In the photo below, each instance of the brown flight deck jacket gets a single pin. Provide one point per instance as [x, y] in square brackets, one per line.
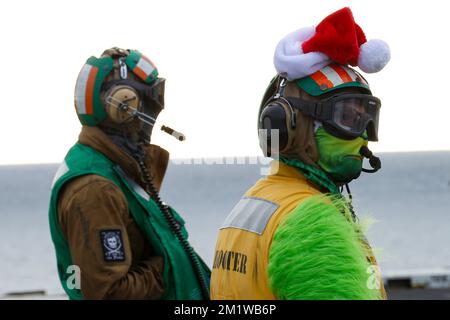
[90, 204]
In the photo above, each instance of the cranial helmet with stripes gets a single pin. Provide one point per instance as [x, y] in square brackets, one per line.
[313, 69]
[295, 129]
[97, 95]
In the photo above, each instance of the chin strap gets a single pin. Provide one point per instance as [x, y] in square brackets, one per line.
[374, 161]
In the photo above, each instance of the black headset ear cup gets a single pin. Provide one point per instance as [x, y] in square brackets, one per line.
[274, 117]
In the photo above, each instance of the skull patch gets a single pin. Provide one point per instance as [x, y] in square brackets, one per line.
[112, 245]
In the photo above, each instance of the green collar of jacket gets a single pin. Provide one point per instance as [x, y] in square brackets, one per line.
[315, 175]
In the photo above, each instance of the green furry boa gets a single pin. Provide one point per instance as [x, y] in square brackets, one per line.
[316, 254]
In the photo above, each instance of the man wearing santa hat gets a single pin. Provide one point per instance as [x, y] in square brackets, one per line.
[294, 235]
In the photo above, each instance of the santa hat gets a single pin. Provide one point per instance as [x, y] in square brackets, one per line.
[337, 38]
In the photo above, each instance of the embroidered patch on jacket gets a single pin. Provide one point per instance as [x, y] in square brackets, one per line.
[112, 245]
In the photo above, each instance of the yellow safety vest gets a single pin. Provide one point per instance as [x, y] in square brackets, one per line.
[244, 240]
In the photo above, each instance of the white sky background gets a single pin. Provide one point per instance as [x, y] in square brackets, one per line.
[217, 59]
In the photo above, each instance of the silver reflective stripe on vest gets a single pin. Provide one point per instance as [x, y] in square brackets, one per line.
[250, 214]
[137, 188]
[62, 170]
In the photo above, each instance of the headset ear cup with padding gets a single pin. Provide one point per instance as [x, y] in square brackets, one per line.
[276, 116]
[115, 100]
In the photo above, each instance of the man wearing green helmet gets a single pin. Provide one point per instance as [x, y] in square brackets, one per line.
[114, 238]
[293, 235]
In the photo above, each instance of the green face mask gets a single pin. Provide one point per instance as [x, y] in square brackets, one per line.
[340, 158]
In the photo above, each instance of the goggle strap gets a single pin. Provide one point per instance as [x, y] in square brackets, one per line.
[309, 108]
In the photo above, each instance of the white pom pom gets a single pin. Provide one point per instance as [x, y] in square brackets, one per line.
[374, 55]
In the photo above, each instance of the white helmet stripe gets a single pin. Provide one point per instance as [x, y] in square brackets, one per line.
[332, 75]
[350, 72]
[145, 66]
[80, 89]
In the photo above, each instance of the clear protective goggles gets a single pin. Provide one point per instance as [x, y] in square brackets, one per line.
[346, 116]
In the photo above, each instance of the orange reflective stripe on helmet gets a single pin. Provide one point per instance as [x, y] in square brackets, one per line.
[342, 73]
[335, 75]
[144, 68]
[84, 89]
[322, 80]
[90, 90]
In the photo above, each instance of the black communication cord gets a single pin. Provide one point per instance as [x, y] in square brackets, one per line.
[138, 154]
[175, 226]
[350, 202]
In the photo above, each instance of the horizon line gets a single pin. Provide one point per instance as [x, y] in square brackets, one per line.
[6, 164]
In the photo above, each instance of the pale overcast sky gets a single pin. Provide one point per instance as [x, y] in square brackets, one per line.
[217, 59]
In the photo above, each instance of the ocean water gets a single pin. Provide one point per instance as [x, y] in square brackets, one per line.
[409, 199]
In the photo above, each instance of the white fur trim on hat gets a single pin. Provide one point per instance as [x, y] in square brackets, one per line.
[374, 55]
[291, 62]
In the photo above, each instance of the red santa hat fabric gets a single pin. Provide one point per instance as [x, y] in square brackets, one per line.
[337, 38]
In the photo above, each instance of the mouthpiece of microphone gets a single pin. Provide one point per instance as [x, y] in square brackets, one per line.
[374, 161]
[178, 135]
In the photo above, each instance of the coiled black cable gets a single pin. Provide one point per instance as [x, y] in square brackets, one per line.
[175, 226]
[350, 202]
